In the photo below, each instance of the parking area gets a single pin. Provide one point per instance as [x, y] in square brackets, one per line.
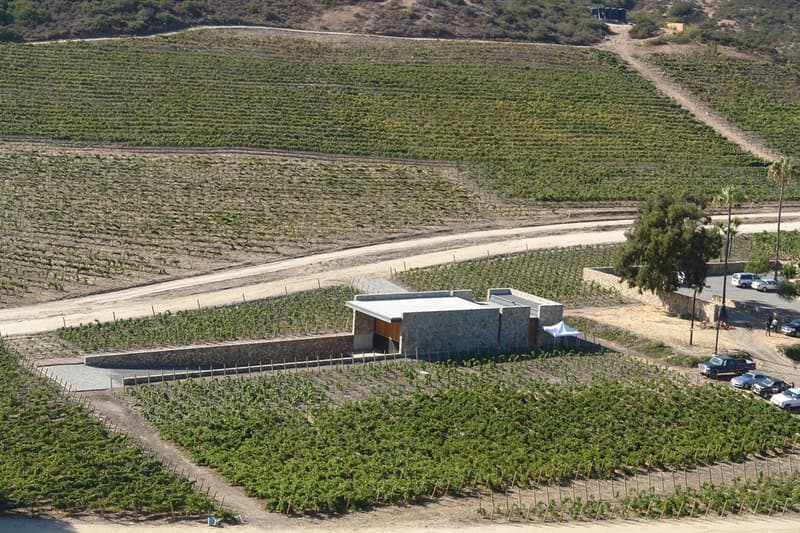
[760, 304]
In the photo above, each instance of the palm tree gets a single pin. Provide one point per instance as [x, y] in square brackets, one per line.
[733, 228]
[782, 171]
[728, 197]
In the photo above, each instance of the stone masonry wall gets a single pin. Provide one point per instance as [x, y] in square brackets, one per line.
[233, 354]
[514, 324]
[363, 331]
[672, 302]
[450, 332]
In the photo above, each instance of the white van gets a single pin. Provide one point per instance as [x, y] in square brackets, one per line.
[743, 279]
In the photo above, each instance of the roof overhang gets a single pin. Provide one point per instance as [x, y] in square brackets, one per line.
[392, 310]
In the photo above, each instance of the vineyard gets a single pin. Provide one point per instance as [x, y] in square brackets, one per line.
[764, 243]
[80, 221]
[54, 457]
[303, 313]
[541, 123]
[398, 432]
[554, 273]
[760, 95]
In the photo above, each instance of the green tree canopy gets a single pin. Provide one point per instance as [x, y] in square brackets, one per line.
[669, 236]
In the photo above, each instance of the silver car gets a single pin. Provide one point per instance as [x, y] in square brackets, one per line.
[746, 380]
[764, 285]
[788, 399]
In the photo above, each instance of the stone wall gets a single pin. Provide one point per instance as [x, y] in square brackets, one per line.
[450, 332]
[230, 354]
[671, 302]
[514, 324]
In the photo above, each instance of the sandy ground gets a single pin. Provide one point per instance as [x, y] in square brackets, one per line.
[730, 525]
[653, 323]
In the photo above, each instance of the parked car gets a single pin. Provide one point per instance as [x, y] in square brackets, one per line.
[770, 386]
[743, 279]
[726, 365]
[764, 285]
[788, 399]
[746, 380]
[791, 328]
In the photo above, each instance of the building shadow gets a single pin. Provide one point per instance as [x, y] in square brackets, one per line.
[35, 525]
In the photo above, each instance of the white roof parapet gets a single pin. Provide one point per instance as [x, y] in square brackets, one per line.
[465, 294]
[392, 310]
[547, 311]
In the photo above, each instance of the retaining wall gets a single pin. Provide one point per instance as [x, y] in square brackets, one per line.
[231, 354]
[672, 302]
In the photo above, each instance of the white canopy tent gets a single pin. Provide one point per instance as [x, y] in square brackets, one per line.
[560, 329]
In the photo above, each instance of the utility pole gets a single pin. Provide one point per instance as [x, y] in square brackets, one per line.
[721, 313]
[691, 327]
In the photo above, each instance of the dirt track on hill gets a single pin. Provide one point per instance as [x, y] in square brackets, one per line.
[621, 44]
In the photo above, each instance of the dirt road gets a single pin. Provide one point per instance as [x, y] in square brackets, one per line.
[625, 47]
[326, 269]
[775, 524]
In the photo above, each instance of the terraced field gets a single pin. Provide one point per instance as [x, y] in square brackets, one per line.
[53, 456]
[535, 122]
[304, 313]
[76, 221]
[551, 273]
[555, 273]
[761, 96]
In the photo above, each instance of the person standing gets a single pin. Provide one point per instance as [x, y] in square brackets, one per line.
[775, 324]
[769, 325]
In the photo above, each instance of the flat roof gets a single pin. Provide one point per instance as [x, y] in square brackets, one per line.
[391, 310]
[513, 300]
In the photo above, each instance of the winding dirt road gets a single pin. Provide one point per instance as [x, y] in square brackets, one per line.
[325, 269]
[332, 268]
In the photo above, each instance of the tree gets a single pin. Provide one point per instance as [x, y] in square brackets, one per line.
[670, 235]
[729, 231]
[758, 262]
[645, 27]
[728, 197]
[782, 171]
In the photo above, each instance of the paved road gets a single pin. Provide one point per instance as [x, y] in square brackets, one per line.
[762, 303]
[326, 269]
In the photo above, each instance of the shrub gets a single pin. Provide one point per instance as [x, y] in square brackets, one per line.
[792, 352]
[8, 35]
[645, 27]
[786, 290]
[758, 262]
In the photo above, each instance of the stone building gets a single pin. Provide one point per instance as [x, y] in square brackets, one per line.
[424, 324]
